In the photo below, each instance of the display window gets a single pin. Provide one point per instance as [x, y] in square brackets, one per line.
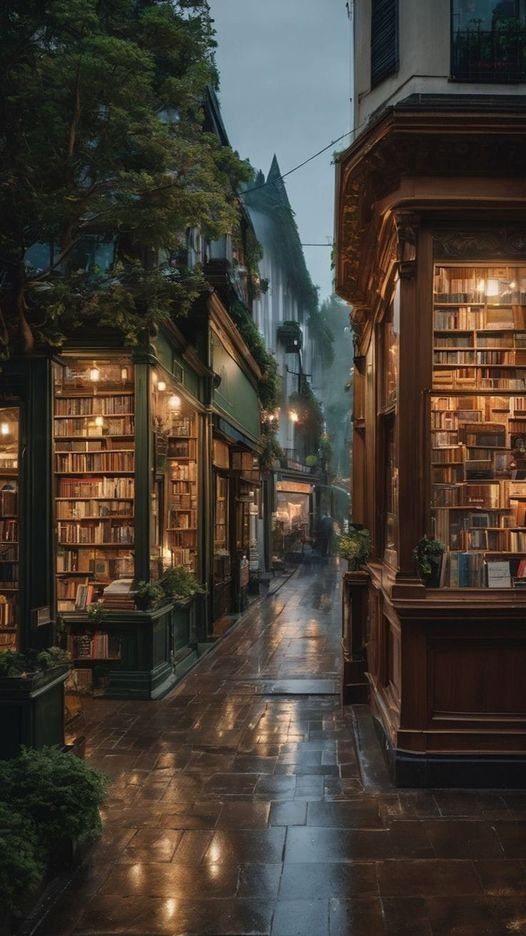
[9, 527]
[94, 461]
[174, 503]
[478, 424]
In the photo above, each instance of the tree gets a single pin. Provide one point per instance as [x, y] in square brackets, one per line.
[105, 163]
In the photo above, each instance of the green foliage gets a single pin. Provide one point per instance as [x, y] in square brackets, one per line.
[102, 139]
[322, 335]
[269, 386]
[58, 792]
[272, 450]
[311, 461]
[148, 595]
[310, 414]
[425, 552]
[21, 858]
[355, 546]
[97, 614]
[30, 662]
[178, 583]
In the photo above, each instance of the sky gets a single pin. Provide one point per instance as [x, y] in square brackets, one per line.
[284, 68]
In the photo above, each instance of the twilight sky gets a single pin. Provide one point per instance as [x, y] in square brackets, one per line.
[284, 71]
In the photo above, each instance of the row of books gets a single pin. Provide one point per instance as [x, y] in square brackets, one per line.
[99, 646]
[96, 405]
[476, 570]
[470, 379]
[182, 519]
[95, 533]
[183, 472]
[99, 567]
[8, 530]
[82, 427]
[184, 501]
[8, 502]
[183, 555]
[181, 538]
[493, 494]
[7, 612]
[95, 445]
[182, 426]
[7, 641]
[8, 462]
[95, 487]
[95, 461]
[481, 358]
[105, 509]
[182, 448]
[483, 404]
[479, 317]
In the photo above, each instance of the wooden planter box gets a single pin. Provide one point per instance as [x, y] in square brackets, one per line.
[32, 710]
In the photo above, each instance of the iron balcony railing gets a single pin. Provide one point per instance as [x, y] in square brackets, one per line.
[495, 55]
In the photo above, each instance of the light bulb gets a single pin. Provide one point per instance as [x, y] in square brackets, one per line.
[4, 429]
[161, 386]
[174, 402]
[94, 373]
[293, 416]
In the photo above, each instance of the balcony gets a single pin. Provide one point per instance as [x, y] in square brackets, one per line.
[496, 55]
[291, 336]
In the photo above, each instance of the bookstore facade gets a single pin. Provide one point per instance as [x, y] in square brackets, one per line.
[106, 481]
[436, 622]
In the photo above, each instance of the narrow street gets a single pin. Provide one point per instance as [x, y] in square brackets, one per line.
[238, 806]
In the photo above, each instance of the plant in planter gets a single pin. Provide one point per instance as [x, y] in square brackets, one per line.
[148, 595]
[59, 794]
[428, 557]
[97, 614]
[355, 546]
[22, 859]
[30, 663]
[179, 584]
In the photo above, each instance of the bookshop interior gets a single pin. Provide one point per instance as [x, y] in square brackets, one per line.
[478, 424]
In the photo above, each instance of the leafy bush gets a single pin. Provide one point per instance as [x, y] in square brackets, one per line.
[58, 792]
[22, 860]
[179, 583]
[425, 553]
[355, 546]
[148, 595]
[31, 661]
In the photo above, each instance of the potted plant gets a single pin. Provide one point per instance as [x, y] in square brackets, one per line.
[148, 595]
[355, 546]
[32, 698]
[428, 557]
[22, 863]
[179, 584]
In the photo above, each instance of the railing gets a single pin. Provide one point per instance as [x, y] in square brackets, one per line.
[496, 55]
[295, 460]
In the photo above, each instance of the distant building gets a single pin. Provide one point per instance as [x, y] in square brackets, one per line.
[281, 310]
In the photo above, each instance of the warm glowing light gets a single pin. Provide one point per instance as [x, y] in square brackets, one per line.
[293, 416]
[492, 289]
[513, 285]
[174, 402]
[161, 386]
[481, 285]
[99, 421]
[154, 377]
[4, 429]
[124, 373]
[94, 373]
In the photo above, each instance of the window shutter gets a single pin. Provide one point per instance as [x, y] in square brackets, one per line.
[384, 40]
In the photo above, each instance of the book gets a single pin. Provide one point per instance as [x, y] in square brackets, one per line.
[498, 573]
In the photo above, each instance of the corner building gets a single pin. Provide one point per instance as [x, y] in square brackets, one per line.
[431, 255]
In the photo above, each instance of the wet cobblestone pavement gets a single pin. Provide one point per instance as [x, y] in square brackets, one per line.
[237, 807]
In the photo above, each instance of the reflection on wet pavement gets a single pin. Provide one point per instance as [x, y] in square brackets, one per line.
[237, 807]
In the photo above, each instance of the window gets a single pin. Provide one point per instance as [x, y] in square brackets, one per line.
[384, 40]
[478, 424]
[488, 40]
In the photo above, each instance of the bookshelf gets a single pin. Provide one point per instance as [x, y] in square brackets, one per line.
[94, 461]
[182, 495]
[9, 526]
[478, 424]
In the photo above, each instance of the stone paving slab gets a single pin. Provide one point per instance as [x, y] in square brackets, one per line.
[238, 806]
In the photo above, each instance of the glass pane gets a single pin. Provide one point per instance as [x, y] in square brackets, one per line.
[9, 527]
[478, 424]
[94, 441]
[174, 534]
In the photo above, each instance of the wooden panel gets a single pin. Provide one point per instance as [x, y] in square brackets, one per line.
[477, 679]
